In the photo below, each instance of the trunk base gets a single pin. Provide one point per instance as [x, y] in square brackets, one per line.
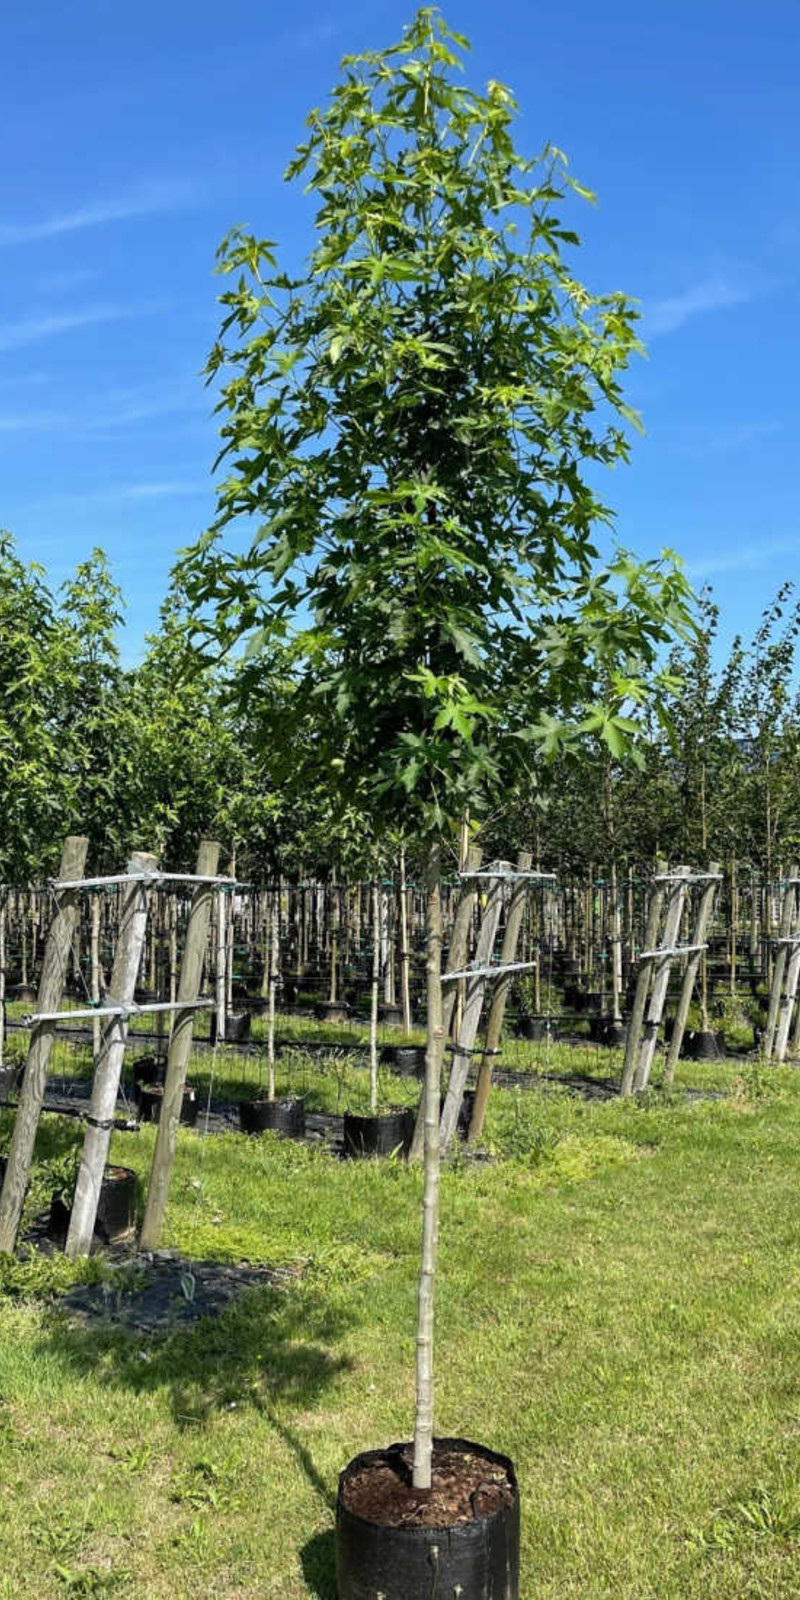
[462, 1538]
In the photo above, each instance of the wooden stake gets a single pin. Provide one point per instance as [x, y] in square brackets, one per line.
[99, 1122]
[51, 989]
[781, 958]
[494, 1030]
[676, 895]
[704, 915]
[180, 1047]
[468, 1031]
[457, 955]
[636, 1023]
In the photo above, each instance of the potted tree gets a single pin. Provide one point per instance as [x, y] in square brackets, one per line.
[415, 420]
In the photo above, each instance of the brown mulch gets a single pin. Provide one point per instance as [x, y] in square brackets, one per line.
[465, 1488]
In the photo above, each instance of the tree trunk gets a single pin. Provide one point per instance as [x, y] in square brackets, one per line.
[373, 1009]
[423, 1424]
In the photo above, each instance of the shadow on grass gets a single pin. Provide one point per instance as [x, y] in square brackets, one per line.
[318, 1561]
[272, 1345]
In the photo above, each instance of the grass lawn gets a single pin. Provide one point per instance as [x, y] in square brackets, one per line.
[618, 1309]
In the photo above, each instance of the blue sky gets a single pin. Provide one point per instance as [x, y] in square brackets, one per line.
[133, 137]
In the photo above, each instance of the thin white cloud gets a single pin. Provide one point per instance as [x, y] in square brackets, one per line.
[749, 557]
[65, 282]
[30, 330]
[729, 440]
[712, 294]
[125, 494]
[145, 200]
[108, 411]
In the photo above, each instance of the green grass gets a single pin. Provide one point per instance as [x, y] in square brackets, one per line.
[618, 1309]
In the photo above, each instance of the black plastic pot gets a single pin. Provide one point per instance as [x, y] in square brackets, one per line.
[116, 1212]
[406, 1058]
[237, 1027]
[331, 1011]
[391, 1016]
[151, 1096]
[465, 1113]
[378, 1136]
[478, 1560]
[702, 1045]
[277, 1116]
[147, 1069]
[10, 1080]
[614, 1033]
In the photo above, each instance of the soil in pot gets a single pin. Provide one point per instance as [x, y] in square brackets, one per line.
[237, 1027]
[331, 1011]
[151, 1096]
[389, 1540]
[379, 1136]
[116, 1212]
[277, 1116]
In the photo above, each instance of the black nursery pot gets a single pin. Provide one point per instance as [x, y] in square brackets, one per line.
[116, 1211]
[404, 1058]
[331, 1011]
[478, 1560]
[151, 1096]
[702, 1045]
[378, 1136]
[276, 1116]
[147, 1069]
[237, 1027]
[614, 1033]
[391, 1016]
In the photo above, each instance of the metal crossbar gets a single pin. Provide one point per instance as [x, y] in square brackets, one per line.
[496, 877]
[791, 939]
[141, 877]
[498, 970]
[674, 950]
[685, 877]
[130, 1010]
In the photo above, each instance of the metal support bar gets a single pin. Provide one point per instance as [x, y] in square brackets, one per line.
[695, 877]
[131, 1010]
[675, 950]
[512, 877]
[142, 877]
[495, 971]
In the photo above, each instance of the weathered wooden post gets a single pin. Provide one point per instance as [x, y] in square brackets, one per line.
[222, 962]
[494, 1028]
[274, 957]
[180, 1046]
[704, 915]
[51, 989]
[405, 983]
[457, 954]
[779, 967]
[636, 1023]
[676, 895]
[100, 1118]
[468, 1029]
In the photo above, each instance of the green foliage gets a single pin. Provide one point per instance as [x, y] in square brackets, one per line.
[410, 430]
